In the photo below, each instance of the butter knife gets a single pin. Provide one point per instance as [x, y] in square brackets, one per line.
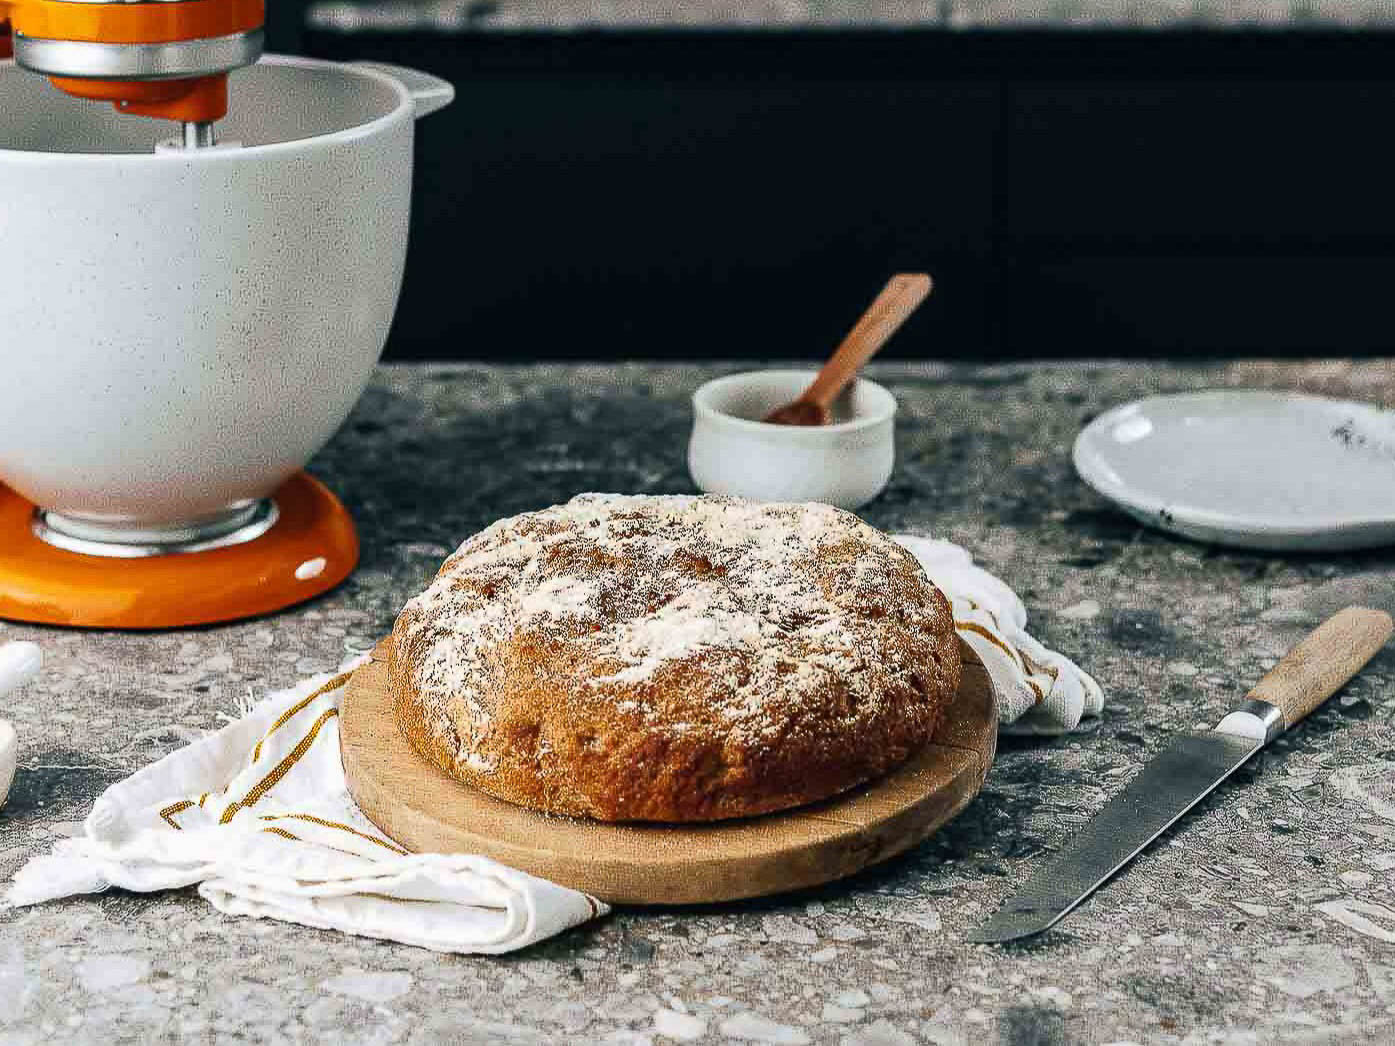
[1188, 770]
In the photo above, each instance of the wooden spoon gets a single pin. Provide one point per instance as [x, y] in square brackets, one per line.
[900, 298]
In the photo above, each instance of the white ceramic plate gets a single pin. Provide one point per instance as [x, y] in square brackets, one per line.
[1255, 469]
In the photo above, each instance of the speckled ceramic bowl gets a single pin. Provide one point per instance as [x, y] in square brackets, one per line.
[732, 451]
[184, 330]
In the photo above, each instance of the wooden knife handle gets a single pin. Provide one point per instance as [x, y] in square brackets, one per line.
[1326, 658]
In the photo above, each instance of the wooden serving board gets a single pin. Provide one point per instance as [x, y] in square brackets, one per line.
[426, 810]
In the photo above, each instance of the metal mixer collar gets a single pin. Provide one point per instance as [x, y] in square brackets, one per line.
[162, 58]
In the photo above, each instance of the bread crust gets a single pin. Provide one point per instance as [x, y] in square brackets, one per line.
[673, 658]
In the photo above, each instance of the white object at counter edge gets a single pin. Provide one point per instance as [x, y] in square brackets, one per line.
[19, 663]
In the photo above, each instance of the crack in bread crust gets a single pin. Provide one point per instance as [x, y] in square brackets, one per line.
[673, 658]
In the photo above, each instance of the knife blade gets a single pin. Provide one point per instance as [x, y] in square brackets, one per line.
[1190, 769]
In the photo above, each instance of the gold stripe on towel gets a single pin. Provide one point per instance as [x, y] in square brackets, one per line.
[296, 838]
[1053, 671]
[1017, 658]
[168, 813]
[282, 768]
[342, 827]
[297, 708]
[986, 634]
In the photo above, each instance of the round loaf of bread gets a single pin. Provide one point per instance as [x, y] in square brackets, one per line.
[673, 658]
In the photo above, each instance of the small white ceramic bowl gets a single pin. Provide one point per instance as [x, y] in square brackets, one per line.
[846, 463]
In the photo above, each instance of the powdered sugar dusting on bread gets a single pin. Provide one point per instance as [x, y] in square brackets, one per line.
[635, 589]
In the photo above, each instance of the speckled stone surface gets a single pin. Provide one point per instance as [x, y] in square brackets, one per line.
[1269, 916]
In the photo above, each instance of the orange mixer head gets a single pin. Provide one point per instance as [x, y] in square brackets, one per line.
[162, 58]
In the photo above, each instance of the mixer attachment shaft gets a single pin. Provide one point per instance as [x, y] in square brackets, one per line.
[199, 134]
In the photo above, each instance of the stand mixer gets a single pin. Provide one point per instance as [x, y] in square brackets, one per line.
[93, 553]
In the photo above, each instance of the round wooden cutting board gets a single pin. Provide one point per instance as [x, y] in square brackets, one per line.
[426, 810]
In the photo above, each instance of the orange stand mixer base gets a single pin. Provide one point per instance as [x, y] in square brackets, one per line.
[47, 585]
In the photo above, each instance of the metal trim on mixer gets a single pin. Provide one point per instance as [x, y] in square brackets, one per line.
[167, 61]
[243, 526]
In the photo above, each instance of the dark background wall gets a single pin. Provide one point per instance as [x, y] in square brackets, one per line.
[727, 194]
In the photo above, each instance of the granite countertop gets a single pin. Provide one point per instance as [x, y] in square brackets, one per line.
[1237, 927]
[563, 15]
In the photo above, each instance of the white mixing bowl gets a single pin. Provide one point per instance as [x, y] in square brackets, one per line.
[180, 331]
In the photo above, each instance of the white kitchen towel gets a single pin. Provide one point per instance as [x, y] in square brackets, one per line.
[258, 815]
[1039, 691]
